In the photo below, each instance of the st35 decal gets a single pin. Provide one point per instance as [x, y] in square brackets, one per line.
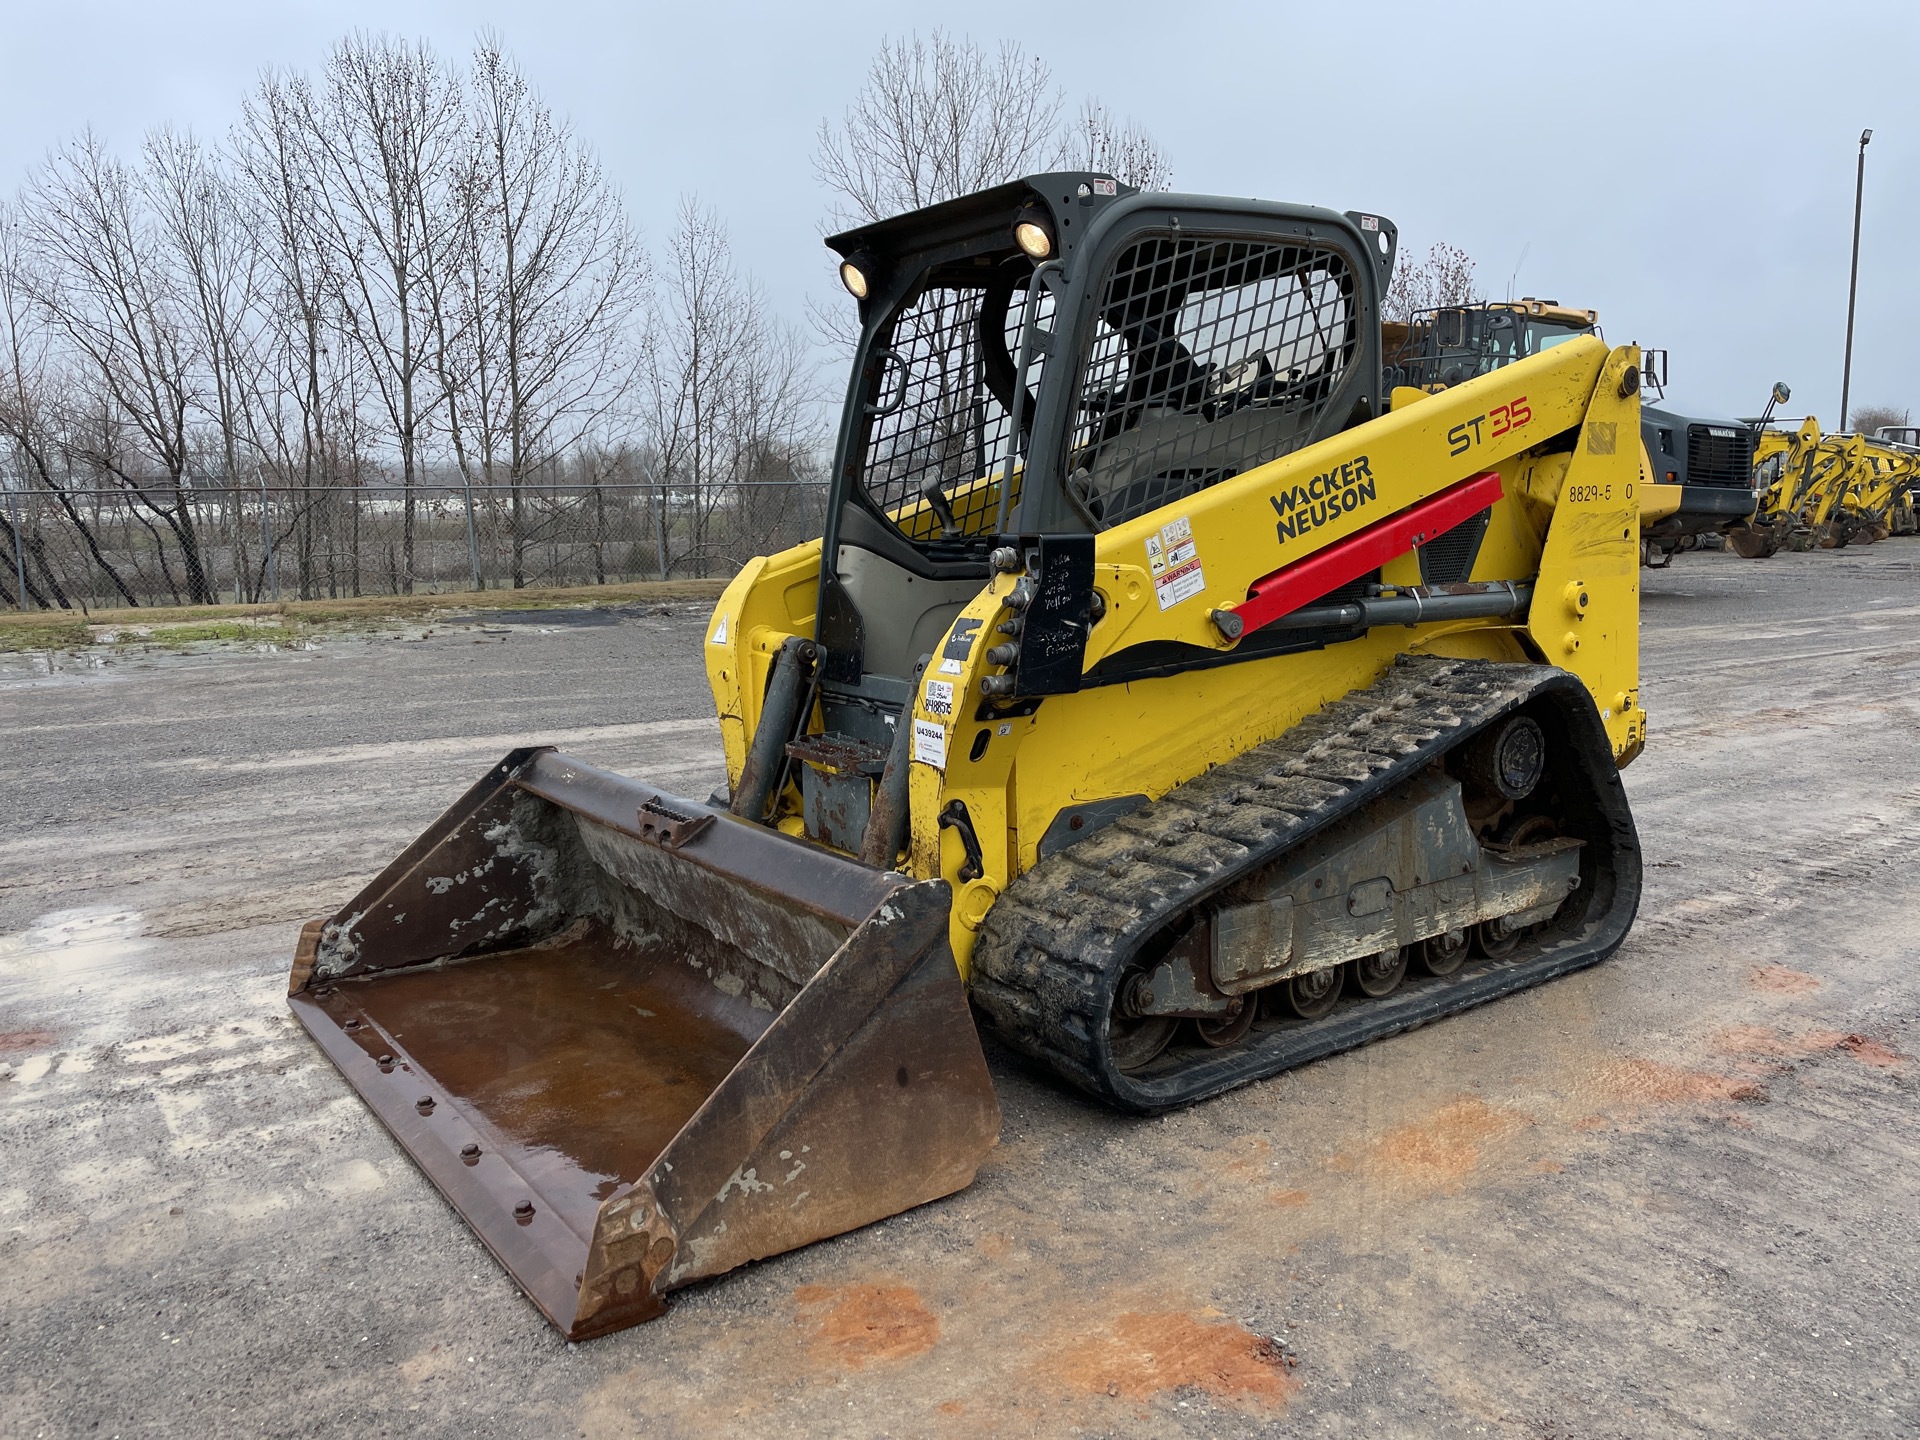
[1490, 426]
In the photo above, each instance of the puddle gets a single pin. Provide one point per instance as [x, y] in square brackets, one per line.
[64, 943]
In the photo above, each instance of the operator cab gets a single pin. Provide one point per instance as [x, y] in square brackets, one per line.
[1063, 354]
[1445, 346]
[1037, 363]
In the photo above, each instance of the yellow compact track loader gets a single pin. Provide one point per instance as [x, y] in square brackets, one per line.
[1162, 685]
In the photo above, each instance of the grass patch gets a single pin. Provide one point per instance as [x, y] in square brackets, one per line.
[45, 635]
[286, 621]
[174, 637]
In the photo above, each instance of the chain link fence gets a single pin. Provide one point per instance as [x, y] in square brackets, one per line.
[111, 548]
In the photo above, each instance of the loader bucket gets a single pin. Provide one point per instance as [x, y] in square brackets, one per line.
[636, 1041]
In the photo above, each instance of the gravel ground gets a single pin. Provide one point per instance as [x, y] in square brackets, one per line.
[1673, 1195]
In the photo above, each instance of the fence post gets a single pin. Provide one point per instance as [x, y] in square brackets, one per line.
[266, 540]
[473, 544]
[19, 553]
[659, 522]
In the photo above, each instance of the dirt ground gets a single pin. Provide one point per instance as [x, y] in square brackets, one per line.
[1672, 1195]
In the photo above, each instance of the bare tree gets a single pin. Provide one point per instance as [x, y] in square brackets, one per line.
[107, 280]
[940, 117]
[1445, 277]
[394, 271]
[537, 355]
[31, 382]
[216, 259]
[300, 376]
[386, 138]
[724, 382]
[1096, 139]
[1866, 419]
[937, 118]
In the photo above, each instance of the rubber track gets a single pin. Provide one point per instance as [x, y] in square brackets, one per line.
[1052, 949]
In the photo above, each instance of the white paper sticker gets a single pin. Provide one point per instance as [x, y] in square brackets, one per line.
[720, 630]
[930, 744]
[1174, 559]
[940, 698]
[951, 667]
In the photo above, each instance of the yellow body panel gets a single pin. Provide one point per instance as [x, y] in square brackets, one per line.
[1659, 501]
[771, 598]
[1556, 427]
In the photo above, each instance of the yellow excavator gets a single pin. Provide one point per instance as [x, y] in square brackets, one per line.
[1167, 695]
[1783, 474]
[1875, 504]
[1902, 444]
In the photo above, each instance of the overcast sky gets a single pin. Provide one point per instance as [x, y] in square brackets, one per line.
[1687, 169]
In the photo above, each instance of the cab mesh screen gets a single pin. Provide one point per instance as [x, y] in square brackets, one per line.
[1209, 357]
[938, 421]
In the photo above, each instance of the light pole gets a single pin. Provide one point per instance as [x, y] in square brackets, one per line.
[1853, 276]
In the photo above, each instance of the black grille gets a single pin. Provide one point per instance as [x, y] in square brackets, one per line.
[1209, 357]
[938, 404]
[1448, 559]
[1719, 455]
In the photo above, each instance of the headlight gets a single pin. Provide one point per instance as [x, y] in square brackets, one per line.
[1031, 234]
[854, 278]
[1034, 239]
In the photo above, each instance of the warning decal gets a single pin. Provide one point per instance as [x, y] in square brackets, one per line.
[930, 744]
[1175, 562]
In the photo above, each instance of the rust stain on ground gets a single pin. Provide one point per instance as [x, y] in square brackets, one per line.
[1779, 980]
[854, 1326]
[1444, 1147]
[1255, 1162]
[14, 1041]
[1290, 1198]
[1138, 1356]
[952, 1407]
[1763, 1040]
[1869, 1051]
[1650, 1082]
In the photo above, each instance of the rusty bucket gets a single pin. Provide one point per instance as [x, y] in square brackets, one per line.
[637, 1042]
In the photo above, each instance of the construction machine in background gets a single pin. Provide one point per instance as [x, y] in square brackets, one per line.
[1783, 466]
[1877, 475]
[1904, 443]
[1827, 491]
[1697, 479]
[1708, 461]
[1165, 683]
[1444, 346]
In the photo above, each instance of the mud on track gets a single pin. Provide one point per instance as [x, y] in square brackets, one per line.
[1669, 1196]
